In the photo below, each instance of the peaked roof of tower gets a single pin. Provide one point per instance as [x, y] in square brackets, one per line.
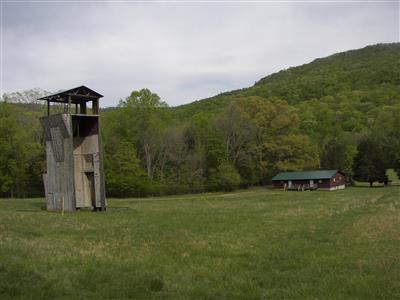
[78, 95]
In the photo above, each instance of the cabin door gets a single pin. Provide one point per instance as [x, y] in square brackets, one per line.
[311, 182]
[290, 183]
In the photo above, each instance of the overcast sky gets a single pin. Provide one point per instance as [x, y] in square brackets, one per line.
[181, 51]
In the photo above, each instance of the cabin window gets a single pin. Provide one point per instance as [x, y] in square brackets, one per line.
[319, 181]
[334, 179]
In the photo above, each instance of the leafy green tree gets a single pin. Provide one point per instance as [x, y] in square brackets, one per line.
[237, 131]
[147, 118]
[224, 178]
[339, 154]
[21, 153]
[397, 167]
[202, 138]
[124, 176]
[369, 163]
[386, 129]
[274, 143]
[143, 99]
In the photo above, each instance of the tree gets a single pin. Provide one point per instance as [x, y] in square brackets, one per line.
[237, 131]
[339, 154]
[203, 140]
[27, 98]
[21, 153]
[143, 99]
[224, 178]
[369, 163]
[124, 176]
[273, 140]
[147, 118]
[386, 129]
[397, 167]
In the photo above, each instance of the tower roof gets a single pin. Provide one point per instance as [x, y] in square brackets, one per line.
[78, 95]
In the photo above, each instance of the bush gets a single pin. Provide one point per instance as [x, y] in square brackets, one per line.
[225, 178]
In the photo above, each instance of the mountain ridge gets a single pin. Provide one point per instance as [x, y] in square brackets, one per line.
[356, 69]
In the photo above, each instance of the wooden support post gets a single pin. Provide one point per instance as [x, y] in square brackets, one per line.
[69, 104]
[83, 108]
[62, 207]
[95, 107]
[76, 108]
[48, 108]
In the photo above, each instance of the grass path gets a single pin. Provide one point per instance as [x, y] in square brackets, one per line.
[256, 244]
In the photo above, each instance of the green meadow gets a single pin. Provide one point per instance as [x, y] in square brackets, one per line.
[254, 244]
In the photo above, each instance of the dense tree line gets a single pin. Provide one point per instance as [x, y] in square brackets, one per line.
[246, 144]
[341, 112]
[21, 152]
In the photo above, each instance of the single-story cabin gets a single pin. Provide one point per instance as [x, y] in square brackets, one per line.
[310, 180]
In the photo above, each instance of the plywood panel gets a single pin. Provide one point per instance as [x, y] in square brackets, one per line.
[97, 183]
[79, 184]
[89, 189]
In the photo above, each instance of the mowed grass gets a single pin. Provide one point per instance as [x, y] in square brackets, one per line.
[256, 244]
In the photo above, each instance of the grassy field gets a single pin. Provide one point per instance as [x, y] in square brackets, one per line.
[256, 244]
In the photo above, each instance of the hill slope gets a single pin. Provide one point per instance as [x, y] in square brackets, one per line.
[373, 69]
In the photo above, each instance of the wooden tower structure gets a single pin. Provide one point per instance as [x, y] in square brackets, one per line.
[75, 177]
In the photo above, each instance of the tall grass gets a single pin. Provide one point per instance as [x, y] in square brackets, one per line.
[257, 244]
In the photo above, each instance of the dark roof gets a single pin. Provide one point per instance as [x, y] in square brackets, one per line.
[78, 95]
[304, 175]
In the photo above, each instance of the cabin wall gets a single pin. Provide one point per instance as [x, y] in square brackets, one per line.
[318, 182]
[329, 184]
[324, 184]
[338, 180]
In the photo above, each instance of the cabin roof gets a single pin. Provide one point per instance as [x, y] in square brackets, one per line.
[305, 175]
[78, 95]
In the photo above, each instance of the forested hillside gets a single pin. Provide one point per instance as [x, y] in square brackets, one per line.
[325, 114]
[371, 69]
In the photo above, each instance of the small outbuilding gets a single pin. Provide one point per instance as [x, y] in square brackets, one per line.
[310, 180]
